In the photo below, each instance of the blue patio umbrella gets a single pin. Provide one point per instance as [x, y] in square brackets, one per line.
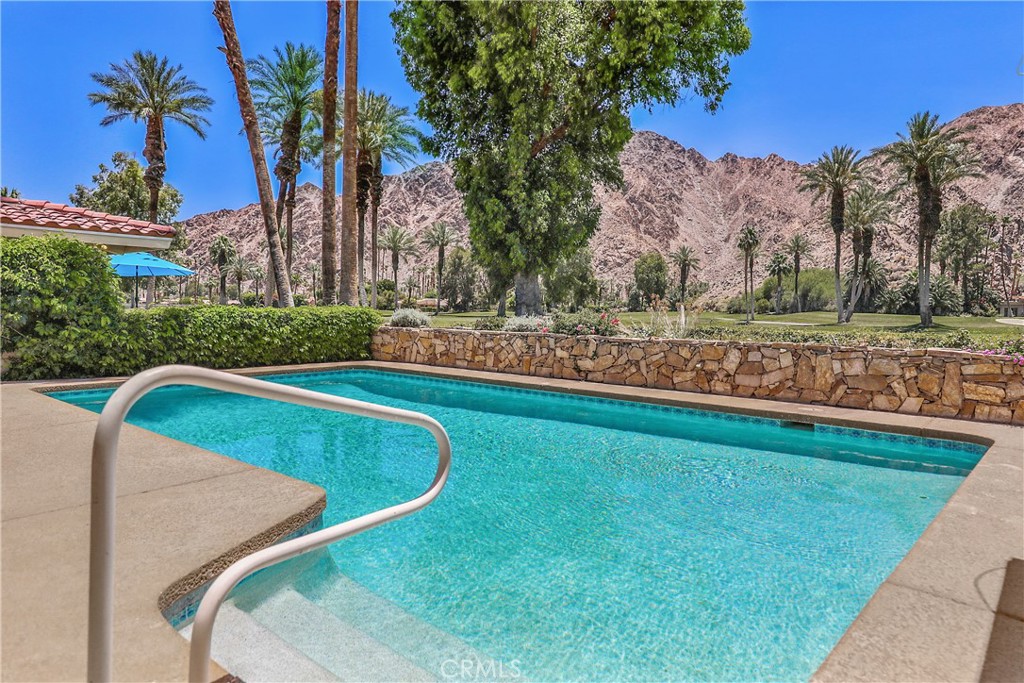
[140, 264]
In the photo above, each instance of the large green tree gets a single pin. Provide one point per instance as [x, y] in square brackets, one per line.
[572, 283]
[121, 189]
[834, 175]
[867, 208]
[928, 158]
[650, 276]
[531, 103]
[222, 252]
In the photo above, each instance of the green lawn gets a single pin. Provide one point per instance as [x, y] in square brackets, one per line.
[818, 320]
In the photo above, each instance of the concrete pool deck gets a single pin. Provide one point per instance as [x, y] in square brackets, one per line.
[948, 611]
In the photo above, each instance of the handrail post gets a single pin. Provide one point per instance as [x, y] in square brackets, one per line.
[102, 518]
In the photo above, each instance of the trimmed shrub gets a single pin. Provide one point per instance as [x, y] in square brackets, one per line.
[208, 336]
[525, 323]
[409, 317]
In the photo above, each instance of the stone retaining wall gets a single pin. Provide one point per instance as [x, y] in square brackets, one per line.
[934, 382]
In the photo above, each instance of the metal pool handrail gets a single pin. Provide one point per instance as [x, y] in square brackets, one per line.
[101, 530]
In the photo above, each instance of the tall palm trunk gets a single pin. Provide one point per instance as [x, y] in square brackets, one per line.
[156, 166]
[329, 225]
[923, 185]
[796, 282]
[440, 275]
[751, 267]
[349, 247]
[394, 272]
[289, 208]
[746, 289]
[376, 192]
[236, 63]
[684, 275]
[364, 169]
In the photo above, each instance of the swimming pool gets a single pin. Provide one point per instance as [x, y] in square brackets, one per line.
[581, 538]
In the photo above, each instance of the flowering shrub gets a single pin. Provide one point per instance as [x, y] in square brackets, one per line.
[492, 324]
[1013, 349]
[604, 324]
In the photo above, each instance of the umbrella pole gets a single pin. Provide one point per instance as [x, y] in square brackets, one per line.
[136, 302]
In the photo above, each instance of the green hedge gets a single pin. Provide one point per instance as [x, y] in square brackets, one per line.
[62, 318]
[208, 336]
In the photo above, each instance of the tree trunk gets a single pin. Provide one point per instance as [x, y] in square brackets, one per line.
[502, 297]
[778, 295]
[924, 281]
[528, 295]
[684, 276]
[236, 63]
[374, 205]
[440, 275]
[289, 232]
[349, 249]
[361, 248]
[223, 288]
[328, 224]
[394, 274]
[839, 288]
[796, 284]
[746, 290]
[752, 302]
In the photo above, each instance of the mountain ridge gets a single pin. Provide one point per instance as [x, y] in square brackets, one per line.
[671, 194]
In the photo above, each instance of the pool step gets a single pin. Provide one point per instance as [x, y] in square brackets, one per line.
[343, 649]
[438, 652]
[255, 654]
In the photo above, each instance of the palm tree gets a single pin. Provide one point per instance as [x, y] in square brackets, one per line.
[929, 157]
[383, 132]
[866, 209]
[835, 174]
[797, 247]
[314, 271]
[402, 245]
[242, 269]
[347, 290]
[410, 284]
[439, 236]
[221, 253]
[684, 257]
[329, 225]
[146, 88]
[749, 242]
[283, 88]
[247, 108]
[777, 267]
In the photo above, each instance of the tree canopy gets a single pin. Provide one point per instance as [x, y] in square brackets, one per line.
[531, 102]
[121, 189]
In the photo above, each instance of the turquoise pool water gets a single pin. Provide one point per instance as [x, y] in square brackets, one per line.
[587, 539]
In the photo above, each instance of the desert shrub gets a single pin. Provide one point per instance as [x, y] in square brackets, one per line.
[385, 300]
[409, 317]
[491, 323]
[525, 323]
[586, 322]
[251, 299]
[762, 306]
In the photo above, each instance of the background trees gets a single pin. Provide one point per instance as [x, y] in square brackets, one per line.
[749, 242]
[121, 189]
[778, 266]
[222, 251]
[928, 158]
[530, 101]
[834, 175]
[685, 260]
[650, 275]
[571, 284]
[440, 236]
[402, 245]
[798, 247]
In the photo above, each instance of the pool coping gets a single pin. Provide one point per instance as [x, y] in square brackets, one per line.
[932, 618]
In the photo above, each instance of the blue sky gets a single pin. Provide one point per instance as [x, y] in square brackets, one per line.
[817, 74]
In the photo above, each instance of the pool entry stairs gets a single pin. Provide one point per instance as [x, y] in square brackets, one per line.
[271, 631]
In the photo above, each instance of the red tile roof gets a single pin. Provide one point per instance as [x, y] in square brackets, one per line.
[42, 214]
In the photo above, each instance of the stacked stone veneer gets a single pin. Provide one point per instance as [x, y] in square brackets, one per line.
[934, 382]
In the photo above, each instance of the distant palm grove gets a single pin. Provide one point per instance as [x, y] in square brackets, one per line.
[530, 131]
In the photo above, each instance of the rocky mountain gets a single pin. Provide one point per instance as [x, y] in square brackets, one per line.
[672, 195]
